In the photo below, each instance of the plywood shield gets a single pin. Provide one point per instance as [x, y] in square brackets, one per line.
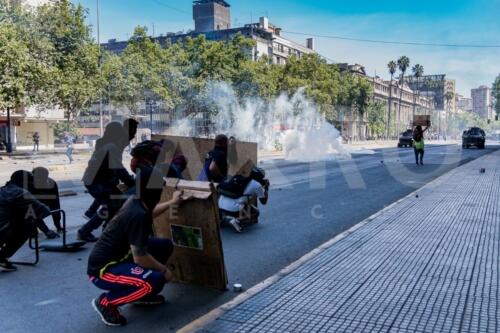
[241, 155]
[194, 229]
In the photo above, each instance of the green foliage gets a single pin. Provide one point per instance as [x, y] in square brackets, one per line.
[25, 64]
[376, 116]
[75, 82]
[496, 94]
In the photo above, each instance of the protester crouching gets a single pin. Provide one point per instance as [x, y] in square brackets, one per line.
[127, 262]
[19, 213]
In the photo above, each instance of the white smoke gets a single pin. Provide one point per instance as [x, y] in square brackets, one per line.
[292, 124]
[35, 3]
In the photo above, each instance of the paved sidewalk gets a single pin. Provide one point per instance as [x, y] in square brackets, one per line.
[428, 263]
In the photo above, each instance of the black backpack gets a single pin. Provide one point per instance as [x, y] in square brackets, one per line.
[234, 187]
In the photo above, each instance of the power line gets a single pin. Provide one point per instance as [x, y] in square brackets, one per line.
[171, 7]
[375, 41]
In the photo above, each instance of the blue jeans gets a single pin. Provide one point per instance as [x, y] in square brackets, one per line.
[69, 153]
[127, 282]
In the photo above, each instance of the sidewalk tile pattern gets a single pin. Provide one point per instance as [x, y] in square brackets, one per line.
[427, 264]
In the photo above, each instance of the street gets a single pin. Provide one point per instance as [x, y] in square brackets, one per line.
[309, 204]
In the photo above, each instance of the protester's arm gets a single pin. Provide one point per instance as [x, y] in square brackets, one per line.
[161, 208]
[138, 236]
[263, 200]
[215, 170]
[144, 259]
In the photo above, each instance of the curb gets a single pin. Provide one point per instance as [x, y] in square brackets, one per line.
[214, 314]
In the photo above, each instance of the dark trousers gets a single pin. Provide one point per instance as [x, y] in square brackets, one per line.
[14, 237]
[107, 196]
[127, 282]
[419, 153]
[92, 210]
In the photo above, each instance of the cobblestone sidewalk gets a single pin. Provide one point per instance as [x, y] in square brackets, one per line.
[429, 263]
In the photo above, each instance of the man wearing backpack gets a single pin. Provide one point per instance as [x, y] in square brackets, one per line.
[235, 197]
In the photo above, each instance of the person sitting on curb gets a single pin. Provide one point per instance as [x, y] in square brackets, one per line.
[235, 197]
[19, 211]
[126, 262]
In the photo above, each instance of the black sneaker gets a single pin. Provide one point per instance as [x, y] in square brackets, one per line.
[7, 266]
[150, 300]
[109, 314]
[89, 238]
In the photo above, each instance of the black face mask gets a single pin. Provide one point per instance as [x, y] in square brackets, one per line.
[152, 198]
[150, 186]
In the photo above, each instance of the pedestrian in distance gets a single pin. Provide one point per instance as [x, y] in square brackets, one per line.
[126, 262]
[19, 211]
[36, 142]
[419, 144]
[215, 167]
[69, 140]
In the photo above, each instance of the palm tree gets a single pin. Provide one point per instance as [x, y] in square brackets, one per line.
[392, 70]
[403, 64]
[418, 72]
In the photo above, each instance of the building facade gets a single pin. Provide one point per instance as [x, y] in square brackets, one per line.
[211, 15]
[24, 122]
[463, 104]
[212, 19]
[437, 87]
[482, 102]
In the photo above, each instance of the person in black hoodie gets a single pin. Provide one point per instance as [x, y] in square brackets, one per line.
[104, 173]
[19, 211]
[215, 168]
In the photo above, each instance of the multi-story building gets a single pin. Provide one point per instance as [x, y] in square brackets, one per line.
[211, 15]
[437, 87]
[482, 102]
[212, 19]
[463, 104]
[400, 118]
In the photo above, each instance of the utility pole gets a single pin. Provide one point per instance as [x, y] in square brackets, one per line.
[101, 120]
[8, 147]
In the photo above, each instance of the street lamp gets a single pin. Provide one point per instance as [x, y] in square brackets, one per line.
[101, 121]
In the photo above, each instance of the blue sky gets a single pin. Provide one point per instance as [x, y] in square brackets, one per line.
[434, 21]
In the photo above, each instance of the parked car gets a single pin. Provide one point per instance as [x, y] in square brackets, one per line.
[406, 139]
[474, 136]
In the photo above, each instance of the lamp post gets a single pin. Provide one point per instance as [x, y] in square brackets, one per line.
[101, 120]
[8, 145]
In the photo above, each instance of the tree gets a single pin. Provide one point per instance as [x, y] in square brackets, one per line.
[392, 66]
[403, 64]
[25, 68]
[376, 118]
[418, 72]
[75, 55]
[496, 94]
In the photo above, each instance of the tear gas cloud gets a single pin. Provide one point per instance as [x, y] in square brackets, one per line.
[289, 123]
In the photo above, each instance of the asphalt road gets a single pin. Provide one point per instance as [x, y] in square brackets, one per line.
[310, 203]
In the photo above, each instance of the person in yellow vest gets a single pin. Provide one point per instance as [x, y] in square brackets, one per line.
[419, 144]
